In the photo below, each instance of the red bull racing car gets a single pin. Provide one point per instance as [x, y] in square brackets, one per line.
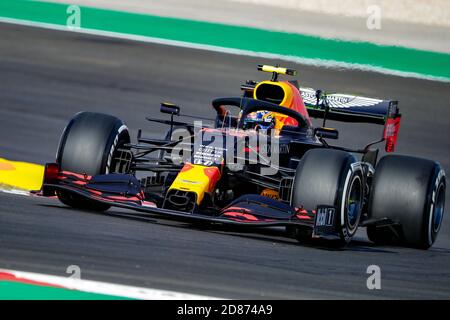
[260, 163]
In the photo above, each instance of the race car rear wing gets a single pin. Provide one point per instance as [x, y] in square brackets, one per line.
[349, 108]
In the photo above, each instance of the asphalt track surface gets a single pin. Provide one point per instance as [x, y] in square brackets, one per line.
[47, 76]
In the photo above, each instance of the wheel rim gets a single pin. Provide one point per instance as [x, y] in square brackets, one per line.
[354, 200]
[119, 162]
[438, 211]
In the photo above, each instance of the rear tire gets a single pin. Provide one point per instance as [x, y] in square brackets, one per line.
[333, 178]
[411, 192]
[88, 146]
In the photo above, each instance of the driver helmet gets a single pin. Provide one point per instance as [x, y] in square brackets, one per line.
[260, 120]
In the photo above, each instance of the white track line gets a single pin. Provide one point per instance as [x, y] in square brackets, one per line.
[305, 61]
[108, 288]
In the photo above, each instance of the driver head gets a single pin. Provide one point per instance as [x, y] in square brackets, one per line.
[260, 120]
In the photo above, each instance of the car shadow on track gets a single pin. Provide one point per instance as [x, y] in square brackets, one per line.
[277, 234]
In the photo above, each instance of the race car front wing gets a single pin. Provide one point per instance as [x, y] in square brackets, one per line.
[124, 191]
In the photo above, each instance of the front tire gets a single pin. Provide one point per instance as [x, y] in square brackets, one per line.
[88, 145]
[411, 192]
[332, 178]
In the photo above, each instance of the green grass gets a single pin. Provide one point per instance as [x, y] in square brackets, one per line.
[22, 291]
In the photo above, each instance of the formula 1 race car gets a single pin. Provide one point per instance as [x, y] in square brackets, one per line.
[260, 163]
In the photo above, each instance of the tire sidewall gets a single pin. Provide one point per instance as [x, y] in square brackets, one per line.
[114, 142]
[352, 176]
[437, 184]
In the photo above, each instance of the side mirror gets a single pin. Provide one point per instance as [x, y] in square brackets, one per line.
[170, 108]
[326, 133]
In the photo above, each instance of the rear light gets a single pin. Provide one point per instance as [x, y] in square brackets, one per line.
[51, 173]
[391, 133]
